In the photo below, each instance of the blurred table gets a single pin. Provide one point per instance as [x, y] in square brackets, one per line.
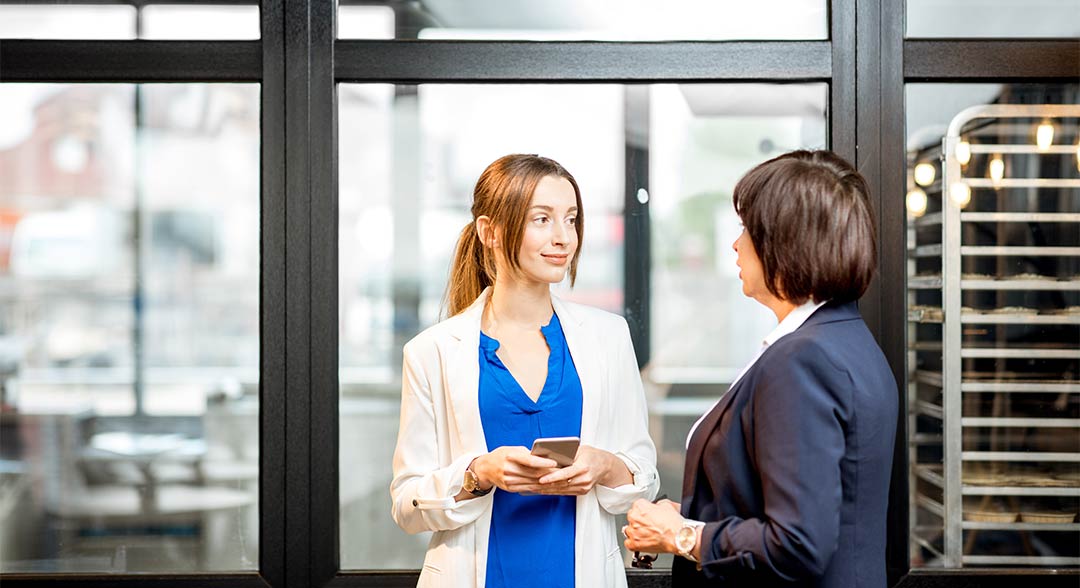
[144, 451]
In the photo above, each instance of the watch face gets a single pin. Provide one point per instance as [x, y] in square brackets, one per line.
[685, 539]
[469, 485]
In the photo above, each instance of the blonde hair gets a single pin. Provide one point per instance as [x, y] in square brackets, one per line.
[503, 193]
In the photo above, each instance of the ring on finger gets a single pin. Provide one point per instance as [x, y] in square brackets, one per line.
[569, 481]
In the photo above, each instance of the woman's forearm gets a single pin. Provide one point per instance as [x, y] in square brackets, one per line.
[617, 473]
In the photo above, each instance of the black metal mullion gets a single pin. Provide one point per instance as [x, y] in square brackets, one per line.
[129, 61]
[324, 485]
[868, 135]
[273, 330]
[577, 62]
[298, 160]
[842, 87]
[879, 157]
[991, 60]
[892, 273]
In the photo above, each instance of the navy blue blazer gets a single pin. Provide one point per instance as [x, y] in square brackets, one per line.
[790, 470]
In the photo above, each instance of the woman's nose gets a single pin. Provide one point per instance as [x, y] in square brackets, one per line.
[560, 234]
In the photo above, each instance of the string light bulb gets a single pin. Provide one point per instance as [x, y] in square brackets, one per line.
[1044, 136]
[997, 169]
[963, 152]
[925, 174]
[916, 202]
[960, 194]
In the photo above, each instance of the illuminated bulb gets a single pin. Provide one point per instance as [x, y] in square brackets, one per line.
[924, 174]
[997, 169]
[916, 202]
[963, 152]
[1044, 136]
[960, 194]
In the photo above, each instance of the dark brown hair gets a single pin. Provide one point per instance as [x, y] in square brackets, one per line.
[503, 193]
[808, 215]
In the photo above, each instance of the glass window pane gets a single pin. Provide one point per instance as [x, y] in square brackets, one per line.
[993, 18]
[596, 20]
[66, 21]
[200, 22]
[993, 235]
[158, 21]
[129, 328]
[406, 184]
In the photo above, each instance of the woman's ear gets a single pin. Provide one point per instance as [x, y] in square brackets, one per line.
[485, 230]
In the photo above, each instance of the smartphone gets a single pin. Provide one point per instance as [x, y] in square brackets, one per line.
[561, 449]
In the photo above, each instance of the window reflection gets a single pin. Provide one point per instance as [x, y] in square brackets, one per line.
[410, 156]
[129, 327]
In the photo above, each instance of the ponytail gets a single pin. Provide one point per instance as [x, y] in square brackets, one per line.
[468, 273]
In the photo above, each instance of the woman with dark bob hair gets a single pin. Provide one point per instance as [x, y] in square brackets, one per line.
[787, 476]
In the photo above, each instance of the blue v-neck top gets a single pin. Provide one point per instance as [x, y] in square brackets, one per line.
[532, 536]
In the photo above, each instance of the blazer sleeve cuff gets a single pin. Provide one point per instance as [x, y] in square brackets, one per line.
[618, 500]
[732, 545]
[718, 558]
[436, 501]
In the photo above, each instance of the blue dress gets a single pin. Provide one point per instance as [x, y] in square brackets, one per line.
[532, 536]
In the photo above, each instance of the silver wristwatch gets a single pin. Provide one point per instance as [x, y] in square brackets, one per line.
[686, 539]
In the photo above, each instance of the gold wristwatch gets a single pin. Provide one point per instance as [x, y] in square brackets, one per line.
[471, 484]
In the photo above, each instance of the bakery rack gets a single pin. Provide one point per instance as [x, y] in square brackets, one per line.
[989, 461]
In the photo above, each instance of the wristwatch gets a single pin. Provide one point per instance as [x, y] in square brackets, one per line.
[686, 538]
[471, 484]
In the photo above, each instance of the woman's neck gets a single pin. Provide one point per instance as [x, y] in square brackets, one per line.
[517, 306]
[781, 308]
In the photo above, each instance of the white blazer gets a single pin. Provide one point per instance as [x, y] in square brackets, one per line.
[441, 433]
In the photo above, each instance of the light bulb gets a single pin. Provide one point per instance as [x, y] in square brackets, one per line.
[960, 194]
[1044, 136]
[924, 174]
[997, 169]
[916, 202]
[963, 152]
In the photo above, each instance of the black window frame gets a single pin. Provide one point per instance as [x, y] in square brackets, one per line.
[298, 63]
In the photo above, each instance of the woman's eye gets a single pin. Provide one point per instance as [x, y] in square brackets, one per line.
[540, 219]
[572, 220]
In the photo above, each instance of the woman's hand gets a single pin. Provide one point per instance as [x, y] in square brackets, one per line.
[512, 469]
[651, 527]
[591, 466]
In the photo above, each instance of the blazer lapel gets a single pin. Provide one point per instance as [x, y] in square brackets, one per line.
[701, 435]
[463, 375]
[583, 349]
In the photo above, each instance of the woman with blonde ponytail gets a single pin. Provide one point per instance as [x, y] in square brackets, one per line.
[512, 364]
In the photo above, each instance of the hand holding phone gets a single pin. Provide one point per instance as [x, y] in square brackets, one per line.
[562, 450]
